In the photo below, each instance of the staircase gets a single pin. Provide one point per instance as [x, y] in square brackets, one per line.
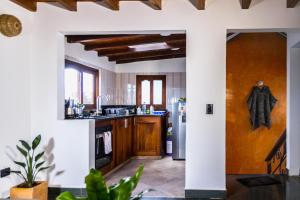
[276, 159]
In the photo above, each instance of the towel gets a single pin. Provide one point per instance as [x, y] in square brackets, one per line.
[107, 142]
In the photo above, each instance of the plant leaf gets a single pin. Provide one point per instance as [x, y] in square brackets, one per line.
[124, 188]
[20, 164]
[39, 165]
[66, 196]
[26, 145]
[36, 142]
[141, 194]
[95, 186]
[43, 168]
[22, 151]
[37, 157]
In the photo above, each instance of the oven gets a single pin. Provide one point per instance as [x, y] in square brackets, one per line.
[102, 157]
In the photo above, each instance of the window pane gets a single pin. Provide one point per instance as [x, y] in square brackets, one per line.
[145, 92]
[157, 92]
[72, 84]
[88, 88]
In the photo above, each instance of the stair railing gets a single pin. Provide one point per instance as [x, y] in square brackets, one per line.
[276, 159]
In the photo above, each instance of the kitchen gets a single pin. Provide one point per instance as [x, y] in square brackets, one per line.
[127, 86]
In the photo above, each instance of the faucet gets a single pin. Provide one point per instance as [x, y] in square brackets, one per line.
[98, 109]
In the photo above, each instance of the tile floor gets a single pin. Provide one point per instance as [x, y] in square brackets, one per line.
[165, 176]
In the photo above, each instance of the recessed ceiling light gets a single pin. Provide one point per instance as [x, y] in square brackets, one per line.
[149, 47]
[175, 49]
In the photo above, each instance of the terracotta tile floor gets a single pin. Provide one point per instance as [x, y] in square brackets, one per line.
[165, 176]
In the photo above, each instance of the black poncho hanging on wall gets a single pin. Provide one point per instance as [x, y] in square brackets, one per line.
[260, 104]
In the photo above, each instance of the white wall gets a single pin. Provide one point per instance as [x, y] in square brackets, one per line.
[293, 122]
[206, 75]
[14, 87]
[168, 65]
[76, 52]
[206, 48]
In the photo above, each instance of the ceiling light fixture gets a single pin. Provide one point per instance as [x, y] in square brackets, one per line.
[149, 47]
[165, 34]
[175, 49]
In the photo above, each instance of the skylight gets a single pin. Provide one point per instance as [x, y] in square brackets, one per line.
[149, 47]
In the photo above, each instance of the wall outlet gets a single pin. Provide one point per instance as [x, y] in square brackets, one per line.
[4, 172]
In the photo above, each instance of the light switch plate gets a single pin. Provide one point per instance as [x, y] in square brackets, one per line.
[209, 109]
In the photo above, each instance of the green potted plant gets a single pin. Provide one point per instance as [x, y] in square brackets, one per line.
[31, 166]
[97, 189]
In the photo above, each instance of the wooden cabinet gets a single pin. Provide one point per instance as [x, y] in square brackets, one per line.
[147, 136]
[123, 148]
[135, 136]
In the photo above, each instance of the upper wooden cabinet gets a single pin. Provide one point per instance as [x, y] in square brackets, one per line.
[147, 136]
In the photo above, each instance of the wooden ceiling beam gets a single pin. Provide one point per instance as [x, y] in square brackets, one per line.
[134, 40]
[110, 4]
[70, 5]
[245, 4]
[292, 3]
[113, 50]
[199, 4]
[143, 54]
[155, 4]
[151, 58]
[90, 38]
[27, 4]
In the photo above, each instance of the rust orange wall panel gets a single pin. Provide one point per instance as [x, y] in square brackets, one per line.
[252, 57]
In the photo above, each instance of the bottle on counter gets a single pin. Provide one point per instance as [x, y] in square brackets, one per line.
[70, 111]
[144, 108]
[151, 109]
[139, 110]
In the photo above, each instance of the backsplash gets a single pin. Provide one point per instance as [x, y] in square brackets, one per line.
[126, 87]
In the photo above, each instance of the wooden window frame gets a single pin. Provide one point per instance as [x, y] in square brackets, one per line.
[85, 69]
[151, 78]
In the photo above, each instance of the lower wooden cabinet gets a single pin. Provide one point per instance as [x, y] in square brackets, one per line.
[135, 136]
[123, 147]
[147, 136]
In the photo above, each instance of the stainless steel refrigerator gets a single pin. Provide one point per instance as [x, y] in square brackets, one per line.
[178, 130]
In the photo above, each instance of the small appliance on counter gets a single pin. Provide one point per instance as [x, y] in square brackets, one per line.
[178, 130]
[118, 110]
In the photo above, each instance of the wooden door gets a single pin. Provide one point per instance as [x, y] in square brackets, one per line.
[147, 136]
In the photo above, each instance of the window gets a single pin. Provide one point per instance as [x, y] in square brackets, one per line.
[81, 84]
[151, 90]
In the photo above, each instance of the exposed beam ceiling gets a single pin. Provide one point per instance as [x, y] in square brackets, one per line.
[145, 54]
[27, 4]
[127, 48]
[292, 3]
[130, 40]
[71, 5]
[245, 3]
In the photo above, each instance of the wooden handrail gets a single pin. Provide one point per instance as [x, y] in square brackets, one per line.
[277, 145]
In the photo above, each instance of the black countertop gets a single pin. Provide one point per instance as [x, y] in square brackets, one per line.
[111, 117]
